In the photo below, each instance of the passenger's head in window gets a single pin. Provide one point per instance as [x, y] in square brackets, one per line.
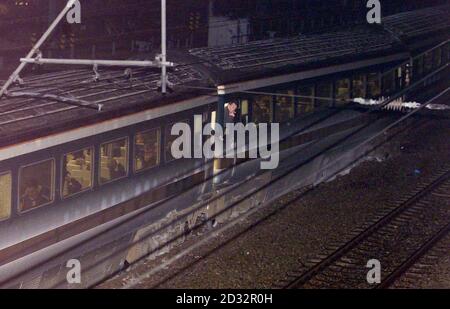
[147, 157]
[71, 185]
[116, 152]
[34, 195]
[230, 112]
[116, 169]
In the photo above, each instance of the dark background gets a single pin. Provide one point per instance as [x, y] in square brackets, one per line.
[120, 28]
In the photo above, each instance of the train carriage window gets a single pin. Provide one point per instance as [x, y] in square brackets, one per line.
[113, 160]
[437, 58]
[5, 195]
[284, 108]
[169, 139]
[77, 171]
[306, 99]
[418, 67]
[359, 86]
[403, 76]
[262, 109]
[428, 62]
[373, 85]
[445, 54]
[36, 185]
[147, 149]
[324, 94]
[389, 82]
[342, 90]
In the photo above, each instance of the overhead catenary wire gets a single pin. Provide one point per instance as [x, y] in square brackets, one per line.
[144, 87]
[131, 86]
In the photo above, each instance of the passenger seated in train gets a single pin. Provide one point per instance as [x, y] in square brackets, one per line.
[34, 195]
[146, 157]
[113, 160]
[71, 185]
[116, 169]
[77, 172]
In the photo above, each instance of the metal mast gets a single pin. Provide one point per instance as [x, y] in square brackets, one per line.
[35, 57]
[15, 75]
[163, 46]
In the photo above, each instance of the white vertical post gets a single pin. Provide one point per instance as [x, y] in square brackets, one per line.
[163, 46]
[36, 47]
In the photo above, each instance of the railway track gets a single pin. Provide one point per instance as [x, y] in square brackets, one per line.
[402, 232]
[423, 265]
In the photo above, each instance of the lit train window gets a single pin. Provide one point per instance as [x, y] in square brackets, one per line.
[342, 91]
[36, 185]
[77, 171]
[262, 109]
[170, 139]
[113, 160]
[324, 93]
[5, 195]
[359, 86]
[306, 99]
[284, 107]
[147, 149]
[373, 84]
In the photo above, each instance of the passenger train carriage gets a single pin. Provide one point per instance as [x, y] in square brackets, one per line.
[76, 182]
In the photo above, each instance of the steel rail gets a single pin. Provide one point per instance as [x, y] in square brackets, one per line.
[335, 256]
[406, 265]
